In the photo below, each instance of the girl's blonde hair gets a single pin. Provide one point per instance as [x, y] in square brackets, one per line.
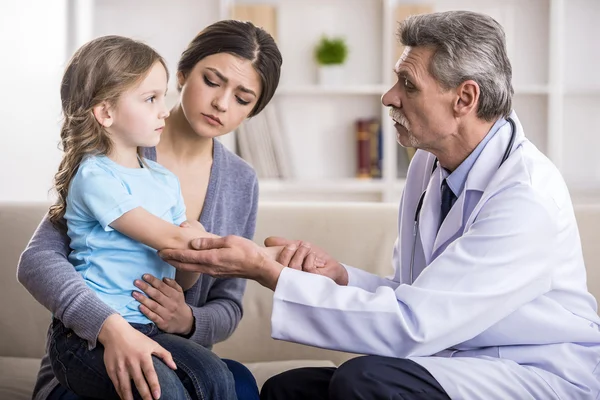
[100, 71]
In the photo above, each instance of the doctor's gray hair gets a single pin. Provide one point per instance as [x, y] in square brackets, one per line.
[467, 46]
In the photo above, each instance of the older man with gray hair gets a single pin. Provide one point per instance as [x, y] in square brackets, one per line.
[489, 296]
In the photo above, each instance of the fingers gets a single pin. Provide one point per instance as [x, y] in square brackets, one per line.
[209, 243]
[164, 355]
[173, 284]
[112, 374]
[309, 263]
[151, 377]
[123, 385]
[185, 256]
[152, 316]
[278, 241]
[285, 255]
[298, 258]
[151, 291]
[140, 382]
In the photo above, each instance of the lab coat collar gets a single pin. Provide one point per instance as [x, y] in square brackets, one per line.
[478, 179]
[487, 164]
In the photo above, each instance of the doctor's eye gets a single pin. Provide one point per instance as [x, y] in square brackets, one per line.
[408, 84]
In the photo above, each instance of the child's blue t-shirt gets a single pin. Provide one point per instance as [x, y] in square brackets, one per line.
[109, 261]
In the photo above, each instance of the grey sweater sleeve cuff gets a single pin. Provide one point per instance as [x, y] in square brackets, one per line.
[88, 328]
[215, 322]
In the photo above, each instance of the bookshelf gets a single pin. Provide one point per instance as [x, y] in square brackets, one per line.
[551, 44]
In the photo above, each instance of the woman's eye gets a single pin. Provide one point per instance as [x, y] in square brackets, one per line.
[151, 99]
[209, 83]
[242, 102]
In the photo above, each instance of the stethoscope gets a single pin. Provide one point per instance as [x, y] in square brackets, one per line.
[513, 131]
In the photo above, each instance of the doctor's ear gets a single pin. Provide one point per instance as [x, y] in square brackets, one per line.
[467, 98]
[103, 114]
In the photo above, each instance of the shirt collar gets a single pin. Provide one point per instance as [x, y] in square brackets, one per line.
[457, 179]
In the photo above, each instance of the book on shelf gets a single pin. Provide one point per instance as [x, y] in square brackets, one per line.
[369, 147]
[261, 15]
[261, 142]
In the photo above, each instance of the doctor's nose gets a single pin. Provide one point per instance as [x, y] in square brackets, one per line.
[391, 98]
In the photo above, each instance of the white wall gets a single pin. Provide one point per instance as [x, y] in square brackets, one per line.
[32, 45]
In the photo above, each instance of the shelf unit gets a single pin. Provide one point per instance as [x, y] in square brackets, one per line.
[551, 44]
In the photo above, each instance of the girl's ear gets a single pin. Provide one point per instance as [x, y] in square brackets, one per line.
[103, 114]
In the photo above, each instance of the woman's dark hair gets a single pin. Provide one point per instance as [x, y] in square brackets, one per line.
[241, 39]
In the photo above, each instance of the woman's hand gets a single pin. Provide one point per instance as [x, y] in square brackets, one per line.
[304, 256]
[164, 304]
[128, 356]
[226, 257]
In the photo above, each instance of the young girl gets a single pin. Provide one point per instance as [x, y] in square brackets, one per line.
[119, 208]
[215, 72]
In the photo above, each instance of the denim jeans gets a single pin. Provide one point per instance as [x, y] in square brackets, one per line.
[200, 373]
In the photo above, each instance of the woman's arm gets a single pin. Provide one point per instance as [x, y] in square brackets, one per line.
[47, 274]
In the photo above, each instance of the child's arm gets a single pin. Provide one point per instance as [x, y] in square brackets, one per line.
[159, 234]
[155, 232]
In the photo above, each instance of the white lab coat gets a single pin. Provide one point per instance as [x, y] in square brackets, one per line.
[499, 307]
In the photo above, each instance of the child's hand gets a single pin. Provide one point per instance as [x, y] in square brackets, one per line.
[193, 230]
[194, 224]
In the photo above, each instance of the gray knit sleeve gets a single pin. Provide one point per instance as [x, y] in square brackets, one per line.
[45, 271]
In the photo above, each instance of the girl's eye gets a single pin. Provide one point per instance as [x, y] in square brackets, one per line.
[209, 83]
[151, 99]
[242, 102]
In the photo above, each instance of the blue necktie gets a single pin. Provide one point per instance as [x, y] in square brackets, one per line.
[448, 199]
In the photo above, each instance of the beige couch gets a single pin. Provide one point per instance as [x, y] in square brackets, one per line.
[358, 234]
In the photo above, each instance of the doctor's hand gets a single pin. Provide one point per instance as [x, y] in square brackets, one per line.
[226, 257]
[301, 255]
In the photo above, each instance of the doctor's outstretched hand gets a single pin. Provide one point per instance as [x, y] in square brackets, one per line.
[227, 257]
[301, 255]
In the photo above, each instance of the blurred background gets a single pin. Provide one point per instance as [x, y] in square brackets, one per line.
[326, 135]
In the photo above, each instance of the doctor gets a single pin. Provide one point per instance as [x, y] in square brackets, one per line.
[489, 297]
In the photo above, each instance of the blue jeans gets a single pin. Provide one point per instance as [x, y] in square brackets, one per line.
[200, 373]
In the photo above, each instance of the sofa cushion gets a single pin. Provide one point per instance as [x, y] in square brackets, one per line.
[17, 377]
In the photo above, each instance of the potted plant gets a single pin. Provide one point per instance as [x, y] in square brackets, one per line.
[330, 55]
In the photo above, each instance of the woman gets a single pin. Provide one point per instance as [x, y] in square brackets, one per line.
[229, 72]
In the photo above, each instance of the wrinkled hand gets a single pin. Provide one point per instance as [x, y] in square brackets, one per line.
[164, 304]
[301, 255]
[226, 257]
[128, 356]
